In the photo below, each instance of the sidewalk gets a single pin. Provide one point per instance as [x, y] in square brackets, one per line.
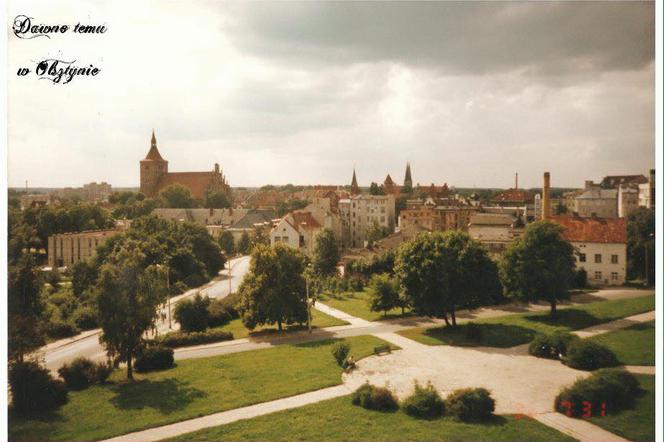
[579, 429]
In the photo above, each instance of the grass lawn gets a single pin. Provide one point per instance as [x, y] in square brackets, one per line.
[634, 345]
[510, 330]
[637, 424]
[356, 304]
[195, 387]
[339, 420]
[318, 320]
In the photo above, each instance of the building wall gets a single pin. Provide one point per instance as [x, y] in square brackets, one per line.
[601, 207]
[628, 201]
[286, 234]
[605, 272]
[67, 248]
[365, 210]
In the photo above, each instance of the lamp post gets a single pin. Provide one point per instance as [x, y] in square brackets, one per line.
[230, 279]
[168, 292]
[307, 274]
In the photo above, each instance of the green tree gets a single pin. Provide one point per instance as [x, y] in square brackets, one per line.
[376, 232]
[539, 265]
[375, 189]
[129, 293]
[260, 237]
[274, 289]
[383, 293]
[217, 200]
[24, 308]
[192, 314]
[641, 244]
[244, 243]
[177, 196]
[441, 273]
[326, 253]
[83, 276]
[227, 243]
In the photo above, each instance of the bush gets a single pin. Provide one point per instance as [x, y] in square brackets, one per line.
[474, 332]
[34, 389]
[154, 357]
[179, 339]
[580, 279]
[56, 328]
[551, 346]
[374, 398]
[82, 373]
[613, 388]
[588, 355]
[470, 404]
[340, 352]
[192, 314]
[85, 318]
[425, 402]
[53, 277]
[218, 313]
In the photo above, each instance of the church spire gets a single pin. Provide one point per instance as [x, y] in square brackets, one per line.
[408, 180]
[153, 154]
[354, 188]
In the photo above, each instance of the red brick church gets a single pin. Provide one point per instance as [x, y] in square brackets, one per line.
[155, 177]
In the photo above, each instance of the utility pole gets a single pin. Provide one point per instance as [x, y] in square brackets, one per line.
[230, 279]
[168, 291]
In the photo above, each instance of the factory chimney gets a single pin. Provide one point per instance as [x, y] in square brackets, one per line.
[546, 202]
[516, 180]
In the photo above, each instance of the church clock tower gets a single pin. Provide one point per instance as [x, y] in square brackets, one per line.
[152, 168]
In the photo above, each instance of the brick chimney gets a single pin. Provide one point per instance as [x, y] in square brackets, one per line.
[546, 202]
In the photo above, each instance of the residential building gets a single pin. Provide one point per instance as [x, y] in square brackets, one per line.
[603, 203]
[600, 245]
[155, 177]
[496, 231]
[437, 218]
[628, 199]
[64, 249]
[361, 213]
[613, 181]
[298, 230]
[647, 192]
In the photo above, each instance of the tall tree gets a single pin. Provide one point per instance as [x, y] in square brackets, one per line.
[641, 244]
[217, 200]
[177, 196]
[539, 265]
[260, 237]
[25, 307]
[375, 189]
[227, 243]
[444, 272]
[244, 243]
[129, 293]
[383, 293]
[274, 289]
[326, 253]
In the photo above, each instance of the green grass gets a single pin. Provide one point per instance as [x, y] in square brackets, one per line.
[356, 304]
[511, 330]
[196, 387]
[318, 320]
[637, 424]
[339, 420]
[634, 345]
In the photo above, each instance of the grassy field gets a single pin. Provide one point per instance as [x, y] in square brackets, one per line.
[511, 330]
[634, 345]
[637, 424]
[195, 387]
[356, 304]
[318, 320]
[339, 420]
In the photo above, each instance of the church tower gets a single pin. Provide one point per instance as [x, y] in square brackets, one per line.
[152, 168]
[354, 188]
[408, 179]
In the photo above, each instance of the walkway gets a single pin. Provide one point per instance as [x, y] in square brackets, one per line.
[523, 384]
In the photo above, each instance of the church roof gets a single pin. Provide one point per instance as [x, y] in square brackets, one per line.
[153, 153]
[388, 179]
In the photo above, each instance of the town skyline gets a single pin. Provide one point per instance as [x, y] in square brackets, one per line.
[278, 95]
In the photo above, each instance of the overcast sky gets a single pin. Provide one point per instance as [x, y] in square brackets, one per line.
[301, 93]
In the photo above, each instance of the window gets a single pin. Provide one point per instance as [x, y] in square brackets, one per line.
[598, 275]
[614, 259]
[598, 258]
[614, 276]
[582, 257]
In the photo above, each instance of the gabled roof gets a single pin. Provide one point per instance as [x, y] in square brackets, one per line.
[304, 220]
[597, 230]
[613, 181]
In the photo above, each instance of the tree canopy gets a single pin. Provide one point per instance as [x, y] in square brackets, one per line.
[539, 265]
[384, 293]
[227, 243]
[217, 200]
[641, 244]
[443, 272]
[177, 196]
[274, 290]
[326, 253]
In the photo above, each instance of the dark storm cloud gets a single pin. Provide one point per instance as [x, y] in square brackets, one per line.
[458, 38]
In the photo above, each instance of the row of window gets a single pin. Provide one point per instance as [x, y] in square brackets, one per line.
[598, 258]
[614, 276]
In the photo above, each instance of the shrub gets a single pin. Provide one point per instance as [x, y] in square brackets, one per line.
[589, 355]
[56, 328]
[53, 277]
[218, 313]
[192, 314]
[82, 372]
[580, 279]
[180, 339]
[470, 404]
[474, 332]
[154, 357]
[85, 318]
[551, 346]
[340, 352]
[374, 398]
[611, 388]
[34, 389]
[425, 402]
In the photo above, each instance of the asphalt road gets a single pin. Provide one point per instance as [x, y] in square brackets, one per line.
[87, 344]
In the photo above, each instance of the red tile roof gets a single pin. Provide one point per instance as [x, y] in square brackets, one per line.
[304, 220]
[514, 195]
[598, 230]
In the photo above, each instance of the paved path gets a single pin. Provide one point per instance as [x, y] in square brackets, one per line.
[615, 325]
[577, 428]
[641, 369]
[226, 417]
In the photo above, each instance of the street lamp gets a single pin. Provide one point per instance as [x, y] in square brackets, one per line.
[230, 288]
[307, 273]
[168, 293]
